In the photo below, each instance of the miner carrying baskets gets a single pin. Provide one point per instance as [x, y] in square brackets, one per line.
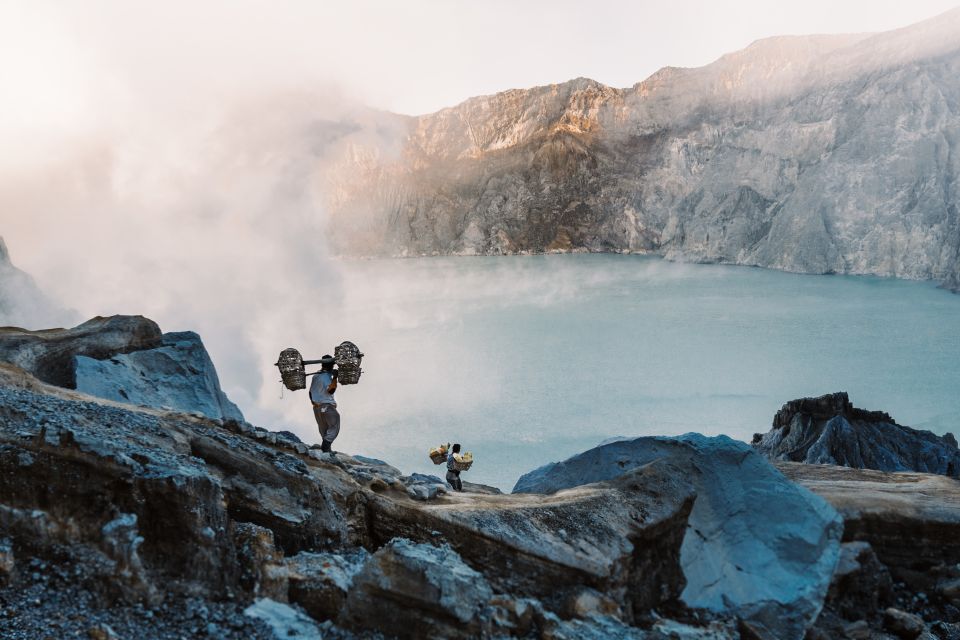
[347, 359]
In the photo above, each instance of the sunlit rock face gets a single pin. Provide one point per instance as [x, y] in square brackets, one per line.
[814, 154]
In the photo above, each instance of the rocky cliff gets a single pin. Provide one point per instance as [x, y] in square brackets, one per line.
[816, 154]
[830, 430]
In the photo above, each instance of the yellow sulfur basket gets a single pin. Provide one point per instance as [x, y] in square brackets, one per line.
[439, 454]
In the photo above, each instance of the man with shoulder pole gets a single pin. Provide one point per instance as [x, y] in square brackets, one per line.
[453, 473]
[322, 388]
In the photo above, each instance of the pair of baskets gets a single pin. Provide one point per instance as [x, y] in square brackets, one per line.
[294, 375]
[438, 455]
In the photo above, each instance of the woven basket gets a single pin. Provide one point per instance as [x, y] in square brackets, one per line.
[291, 368]
[348, 359]
[465, 462]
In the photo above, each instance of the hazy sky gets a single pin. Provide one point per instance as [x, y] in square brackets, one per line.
[163, 158]
[60, 61]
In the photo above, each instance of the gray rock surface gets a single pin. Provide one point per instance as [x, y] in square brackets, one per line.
[909, 519]
[757, 544]
[815, 154]
[413, 590]
[830, 430]
[124, 359]
[49, 354]
[178, 375]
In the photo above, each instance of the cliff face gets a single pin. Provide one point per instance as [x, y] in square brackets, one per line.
[814, 154]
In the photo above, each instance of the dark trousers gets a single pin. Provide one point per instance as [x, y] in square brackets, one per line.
[453, 477]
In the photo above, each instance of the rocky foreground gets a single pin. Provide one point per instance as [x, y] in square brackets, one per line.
[126, 520]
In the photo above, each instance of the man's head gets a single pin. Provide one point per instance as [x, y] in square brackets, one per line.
[456, 448]
[326, 362]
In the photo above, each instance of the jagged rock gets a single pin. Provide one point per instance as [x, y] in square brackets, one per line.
[816, 154]
[185, 479]
[757, 545]
[49, 354]
[830, 430]
[417, 591]
[906, 625]
[121, 541]
[320, 582]
[177, 374]
[263, 572]
[861, 584]
[621, 538]
[911, 520]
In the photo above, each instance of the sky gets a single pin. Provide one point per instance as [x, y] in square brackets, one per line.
[59, 60]
[162, 158]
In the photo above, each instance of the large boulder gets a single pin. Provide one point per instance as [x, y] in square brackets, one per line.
[50, 354]
[178, 374]
[124, 359]
[757, 545]
[620, 539]
[830, 430]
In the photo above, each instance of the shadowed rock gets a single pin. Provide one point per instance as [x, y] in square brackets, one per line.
[757, 544]
[830, 430]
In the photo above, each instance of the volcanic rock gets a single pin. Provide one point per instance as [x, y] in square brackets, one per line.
[830, 430]
[178, 374]
[49, 355]
[124, 359]
[911, 520]
[757, 544]
[413, 590]
[621, 538]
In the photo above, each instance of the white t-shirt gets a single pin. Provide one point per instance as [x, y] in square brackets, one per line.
[318, 388]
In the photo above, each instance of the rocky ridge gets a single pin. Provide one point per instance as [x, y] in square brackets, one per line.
[830, 430]
[119, 520]
[818, 154]
[146, 507]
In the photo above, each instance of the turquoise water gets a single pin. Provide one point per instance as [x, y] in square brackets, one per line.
[529, 359]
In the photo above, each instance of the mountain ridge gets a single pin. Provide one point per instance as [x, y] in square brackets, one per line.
[836, 159]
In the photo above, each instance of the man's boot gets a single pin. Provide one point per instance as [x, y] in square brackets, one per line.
[325, 447]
